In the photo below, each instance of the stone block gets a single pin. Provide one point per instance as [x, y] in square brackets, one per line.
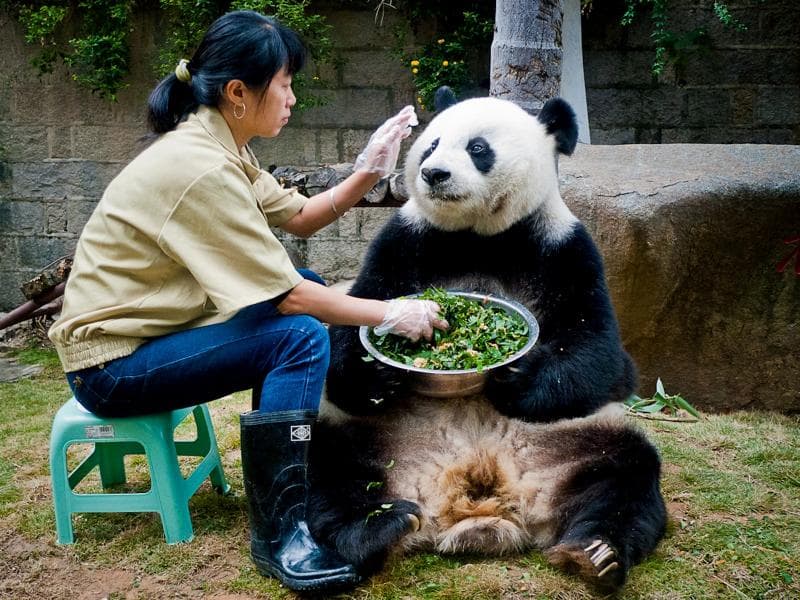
[23, 142]
[62, 178]
[335, 260]
[39, 251]
[715, 135]
[59, 141]
[10, 295]
[106, 142]
[350, 107]
[78, 213]
[21, 217]
[55, 217]
[617, 68]
[9, 253]
[743, 105]
[751, 66]
[359, 29]
[692, 236]
[710, 106]
[373, 68]
[778, 106]
[329, 146]
[783, 136]
[779, 23]
[613, 135]
[613, 108]
[354, 141]
[662, 106]
[294, 146]
[371, 219]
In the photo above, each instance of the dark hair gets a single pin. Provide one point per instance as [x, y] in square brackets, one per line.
[242, 45]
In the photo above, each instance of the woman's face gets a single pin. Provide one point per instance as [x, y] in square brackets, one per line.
[276, 105]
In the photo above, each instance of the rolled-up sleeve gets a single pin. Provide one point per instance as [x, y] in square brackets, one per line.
[278, 204]
[219, 231]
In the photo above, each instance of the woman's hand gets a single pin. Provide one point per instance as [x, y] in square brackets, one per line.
[380, 155]
[411, 318]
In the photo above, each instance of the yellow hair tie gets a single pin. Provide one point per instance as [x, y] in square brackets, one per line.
[182, 71]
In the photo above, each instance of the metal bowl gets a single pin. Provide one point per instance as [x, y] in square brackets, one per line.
[457, 382]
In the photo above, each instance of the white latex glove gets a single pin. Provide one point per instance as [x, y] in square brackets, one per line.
[380, 155]
[411, 318]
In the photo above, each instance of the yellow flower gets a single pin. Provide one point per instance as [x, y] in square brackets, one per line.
[419, 99]
[415, 70]
[445, 63]
[414, 63]
[440, 41]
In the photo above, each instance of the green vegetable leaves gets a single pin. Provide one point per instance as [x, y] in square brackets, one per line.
[661, 403]
[480, 335]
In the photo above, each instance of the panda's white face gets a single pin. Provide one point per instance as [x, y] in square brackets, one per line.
[483, 164]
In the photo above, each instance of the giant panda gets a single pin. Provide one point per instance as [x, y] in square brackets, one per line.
[542, 457]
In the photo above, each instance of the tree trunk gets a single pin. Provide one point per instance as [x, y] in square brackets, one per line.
[526, 52]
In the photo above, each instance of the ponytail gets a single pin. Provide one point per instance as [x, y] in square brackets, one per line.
[169, 101]
[243, 45]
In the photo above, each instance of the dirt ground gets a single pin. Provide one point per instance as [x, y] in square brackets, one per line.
[43, 571]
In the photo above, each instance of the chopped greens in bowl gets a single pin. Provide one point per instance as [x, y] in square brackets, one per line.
[485, 331]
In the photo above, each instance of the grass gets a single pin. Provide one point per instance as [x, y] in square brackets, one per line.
[732, 483]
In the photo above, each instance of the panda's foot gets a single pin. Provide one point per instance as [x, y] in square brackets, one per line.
[367, 541]
[596, 562]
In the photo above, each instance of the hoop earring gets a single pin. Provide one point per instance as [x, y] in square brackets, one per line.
[237, 115]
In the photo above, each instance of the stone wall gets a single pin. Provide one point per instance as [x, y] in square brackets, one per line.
[745, 88]
[60, 145]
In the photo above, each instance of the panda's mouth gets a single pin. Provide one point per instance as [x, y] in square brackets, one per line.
[442, 194]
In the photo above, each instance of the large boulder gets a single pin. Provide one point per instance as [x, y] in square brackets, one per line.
[693, 238]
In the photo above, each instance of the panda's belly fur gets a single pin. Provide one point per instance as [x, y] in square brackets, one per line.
[486, 483]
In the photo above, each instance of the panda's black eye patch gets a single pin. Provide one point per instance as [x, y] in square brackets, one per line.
[429, 151]
[481, 154]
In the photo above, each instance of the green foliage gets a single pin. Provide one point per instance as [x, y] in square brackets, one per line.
[448, 59]
[671, 48]
[98, 54]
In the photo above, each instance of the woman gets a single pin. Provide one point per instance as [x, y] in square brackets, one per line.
[180, 293]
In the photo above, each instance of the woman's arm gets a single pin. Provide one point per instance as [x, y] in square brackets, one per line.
[331, 306]
[411, 318]
[324, 208]
[378, 159]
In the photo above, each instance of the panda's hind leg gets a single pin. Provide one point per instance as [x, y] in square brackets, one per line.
[611, 510]
[348, 509]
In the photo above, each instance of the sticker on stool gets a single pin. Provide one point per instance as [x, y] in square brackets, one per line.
[98, 431]
[300, 433]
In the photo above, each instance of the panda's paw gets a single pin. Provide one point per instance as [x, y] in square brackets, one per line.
[596, 561]
[367, 542]
[394, 518]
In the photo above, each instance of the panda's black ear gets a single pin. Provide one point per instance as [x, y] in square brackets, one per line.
[444, 98]
[559, 119]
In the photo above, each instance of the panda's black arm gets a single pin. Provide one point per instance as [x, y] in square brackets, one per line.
[579, 363]
[355, 385]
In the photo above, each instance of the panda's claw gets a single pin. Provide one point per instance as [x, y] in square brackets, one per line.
[597, 563]
[601, 554]
[611, 567]
[414, 522]
[593, 545]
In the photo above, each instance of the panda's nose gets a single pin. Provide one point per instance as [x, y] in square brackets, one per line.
[434, 176]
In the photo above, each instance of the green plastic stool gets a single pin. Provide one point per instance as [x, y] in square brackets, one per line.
[113, 439]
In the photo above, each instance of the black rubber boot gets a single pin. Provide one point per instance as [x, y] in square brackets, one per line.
[274, 461]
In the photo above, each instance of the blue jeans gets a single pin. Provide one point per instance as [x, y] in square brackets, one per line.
[282, 358]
